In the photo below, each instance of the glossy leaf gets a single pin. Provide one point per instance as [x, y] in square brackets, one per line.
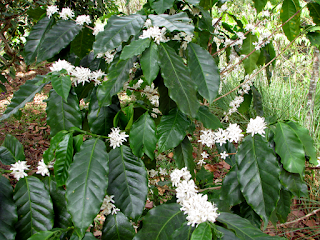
[149, 62]
[68, 112]
[306, 140]
[49, 154]
[160, 6]
[204, 71]
[87, 183]
[117, 227]
[230, 190]
[62, 85]
[118, 75]
[260, 4]
[166, 104]
[34, 207]
[143, 137]
[35, 39]
[289, 148]
[283, 207]
[293, 183]
[242, 227]
[248, 213]
[25, 94]
[57, 38]
[171, 130]
[118, 30]
[314, 9]
[64, 155]
[62, 218]
[202, 232]
[179, 22]
[208, 119]
[43, 235]
[11, 150]
[227, 234]
[82, 43]
[250, 63]
[183, 155]
[127, 181]
[258, 174]
[8, 211]
[183, 232]
[177, 79]
[135, 48]
[292, 28]
[160, 222]
[100, 120]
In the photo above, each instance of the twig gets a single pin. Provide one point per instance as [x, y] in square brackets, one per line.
[299, 219]
[210, 188]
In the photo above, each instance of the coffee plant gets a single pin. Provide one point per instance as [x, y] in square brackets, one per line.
[129, 88]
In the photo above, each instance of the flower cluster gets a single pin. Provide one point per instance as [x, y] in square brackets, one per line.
[152, 94]
[233, 134]
[108, 206]
[116, 137]
[18, 169]
[51, 10]
[66, 13]
[108, 56]
[185, 38]
[204, 155]
[43, 168]
[195, 205]
[157, 34]
[257, 126]
[82, 19]
[79, 74]
[99, 27]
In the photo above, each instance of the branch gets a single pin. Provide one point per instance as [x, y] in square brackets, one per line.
[299, 219]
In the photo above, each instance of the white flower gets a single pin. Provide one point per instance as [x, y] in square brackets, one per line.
[66, 13]
[157, 34]
[163, 171]
[223, 8]
[256, 125]
[99, 27]
[185, 190]
[265, 13]
[82, 19]
[207, 138]
[148, 23]
[43, 168]
[62, 64]
[176, 37]
[234, 133]
[250, 27]
[177, 174]
[108, 206]
[51, 10]
[97, 76]
[224, 155]
[204, 155]
[152, 173]
[221, 136]
[117, 137]
[81, 75]
[18, 169]
[201, 162]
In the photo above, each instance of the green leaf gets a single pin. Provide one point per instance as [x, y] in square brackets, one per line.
[171, 130]
[68, 112]
[82, 43]
[89, 236]
[77, 142]
[64, 155]
[62, 218]
[260, 4]
[143, 137]
[127, 181]
[165, 102]
[35, 39]
[8, 211]
[118, 30]
[43, 235]
[177, 22]
[306, 140]
[183, 155]
[11, 150]
[184, 232]
[57, 38]
[230, 190]
[202, 232]
[36, 13]
[34, 206]
[248, 213]
[160, 6]
[292, 28]
[314, 9]
[250, 63]
[257, 101]
[283, 207]
[258, 174]
[100, 120]
[294, 183]
[62, 85]
[208, 119]
[289, 148]
[160, 222]
[135, 48]
[25, 94]
[193, 2]
[118, 75]
[124, 118]
[117, 226]
[314, 38]
[177, 79]
[150, 63]
[242, 227]
[87, 183]
[229, 148]
[204, 71]
[227, 234]
[49, 154]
